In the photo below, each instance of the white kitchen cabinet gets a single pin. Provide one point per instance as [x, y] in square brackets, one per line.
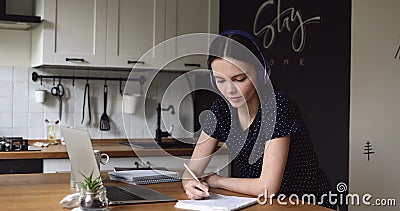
[133, 28]
[117, 33]
[73, 33]
[217, 164]
[185, 17]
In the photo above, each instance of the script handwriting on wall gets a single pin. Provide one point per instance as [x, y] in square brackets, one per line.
[290, 19]
[397, 54]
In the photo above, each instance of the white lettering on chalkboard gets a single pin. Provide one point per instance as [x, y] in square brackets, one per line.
[285, 19]
[397, 55]
[286, 61]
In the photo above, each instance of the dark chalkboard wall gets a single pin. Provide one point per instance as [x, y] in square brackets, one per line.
[312, 64]
[307, 45]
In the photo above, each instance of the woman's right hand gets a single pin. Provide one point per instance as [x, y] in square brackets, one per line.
[195, 189]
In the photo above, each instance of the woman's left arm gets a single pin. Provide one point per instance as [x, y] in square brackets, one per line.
[274, 162]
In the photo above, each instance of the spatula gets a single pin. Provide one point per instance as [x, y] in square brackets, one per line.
[104, 121]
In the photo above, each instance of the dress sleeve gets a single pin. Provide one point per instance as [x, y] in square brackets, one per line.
[216, 122]
[288, 120]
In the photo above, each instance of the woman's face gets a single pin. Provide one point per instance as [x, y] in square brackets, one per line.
[235, 80]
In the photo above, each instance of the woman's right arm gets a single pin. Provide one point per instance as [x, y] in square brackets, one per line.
[201, 156]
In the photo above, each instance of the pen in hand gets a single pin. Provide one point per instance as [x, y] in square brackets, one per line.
[194, 177]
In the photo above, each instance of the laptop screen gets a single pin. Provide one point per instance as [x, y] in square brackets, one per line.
[80, 152]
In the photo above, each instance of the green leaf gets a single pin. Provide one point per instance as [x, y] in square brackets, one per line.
[91, 184]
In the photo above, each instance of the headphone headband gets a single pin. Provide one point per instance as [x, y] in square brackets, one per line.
[251, 38]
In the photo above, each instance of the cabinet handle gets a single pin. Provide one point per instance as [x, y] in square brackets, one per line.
[192, 65]
[135, 62]
[74, 60]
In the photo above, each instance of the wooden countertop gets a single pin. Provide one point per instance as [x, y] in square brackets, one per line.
[110, 146]
[44, 192]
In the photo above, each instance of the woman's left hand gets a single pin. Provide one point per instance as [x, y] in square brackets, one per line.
[213, 180]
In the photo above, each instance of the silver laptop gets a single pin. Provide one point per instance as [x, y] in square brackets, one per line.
[83, 162]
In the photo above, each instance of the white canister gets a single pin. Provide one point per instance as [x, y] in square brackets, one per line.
[131, 102]
[40, 96]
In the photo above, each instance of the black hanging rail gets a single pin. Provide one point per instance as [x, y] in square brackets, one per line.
[36, 76]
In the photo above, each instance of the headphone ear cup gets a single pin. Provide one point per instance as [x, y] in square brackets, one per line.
[212, 80]
[265, 73]
[261, 77]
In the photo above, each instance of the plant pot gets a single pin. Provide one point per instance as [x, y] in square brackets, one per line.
[93, 200]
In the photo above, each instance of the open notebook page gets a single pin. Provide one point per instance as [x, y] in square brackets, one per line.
[217, 202]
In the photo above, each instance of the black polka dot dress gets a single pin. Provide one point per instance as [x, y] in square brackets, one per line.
[302, 173]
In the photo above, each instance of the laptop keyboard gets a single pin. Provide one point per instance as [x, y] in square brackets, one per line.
[117, 194]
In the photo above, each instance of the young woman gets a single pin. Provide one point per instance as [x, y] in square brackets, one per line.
[263, 130]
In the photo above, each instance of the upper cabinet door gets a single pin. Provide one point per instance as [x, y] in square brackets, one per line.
[185, 17]
[134, 27]
[80, 32]
[72, 33]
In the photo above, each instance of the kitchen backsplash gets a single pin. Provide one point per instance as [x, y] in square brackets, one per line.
[22, 116]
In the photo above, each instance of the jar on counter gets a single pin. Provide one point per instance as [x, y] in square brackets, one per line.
[52, 131]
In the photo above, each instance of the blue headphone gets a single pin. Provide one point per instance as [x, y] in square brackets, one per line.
[266, 70]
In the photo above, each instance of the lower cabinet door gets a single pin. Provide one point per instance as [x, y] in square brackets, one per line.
[21, 166]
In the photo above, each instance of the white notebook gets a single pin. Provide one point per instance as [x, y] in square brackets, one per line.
[143, 177]
[217, 202]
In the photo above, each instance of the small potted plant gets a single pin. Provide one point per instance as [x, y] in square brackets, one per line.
[92, 194]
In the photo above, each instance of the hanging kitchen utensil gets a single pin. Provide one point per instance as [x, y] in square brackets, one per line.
[104, 121]
[120, 88]
[58, 91]
[87, 92]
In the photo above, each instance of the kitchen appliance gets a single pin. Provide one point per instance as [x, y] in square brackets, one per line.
[18, 166]
[15, 144]
[15, 21]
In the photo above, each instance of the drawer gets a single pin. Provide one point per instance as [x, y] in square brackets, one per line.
[19, 166]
